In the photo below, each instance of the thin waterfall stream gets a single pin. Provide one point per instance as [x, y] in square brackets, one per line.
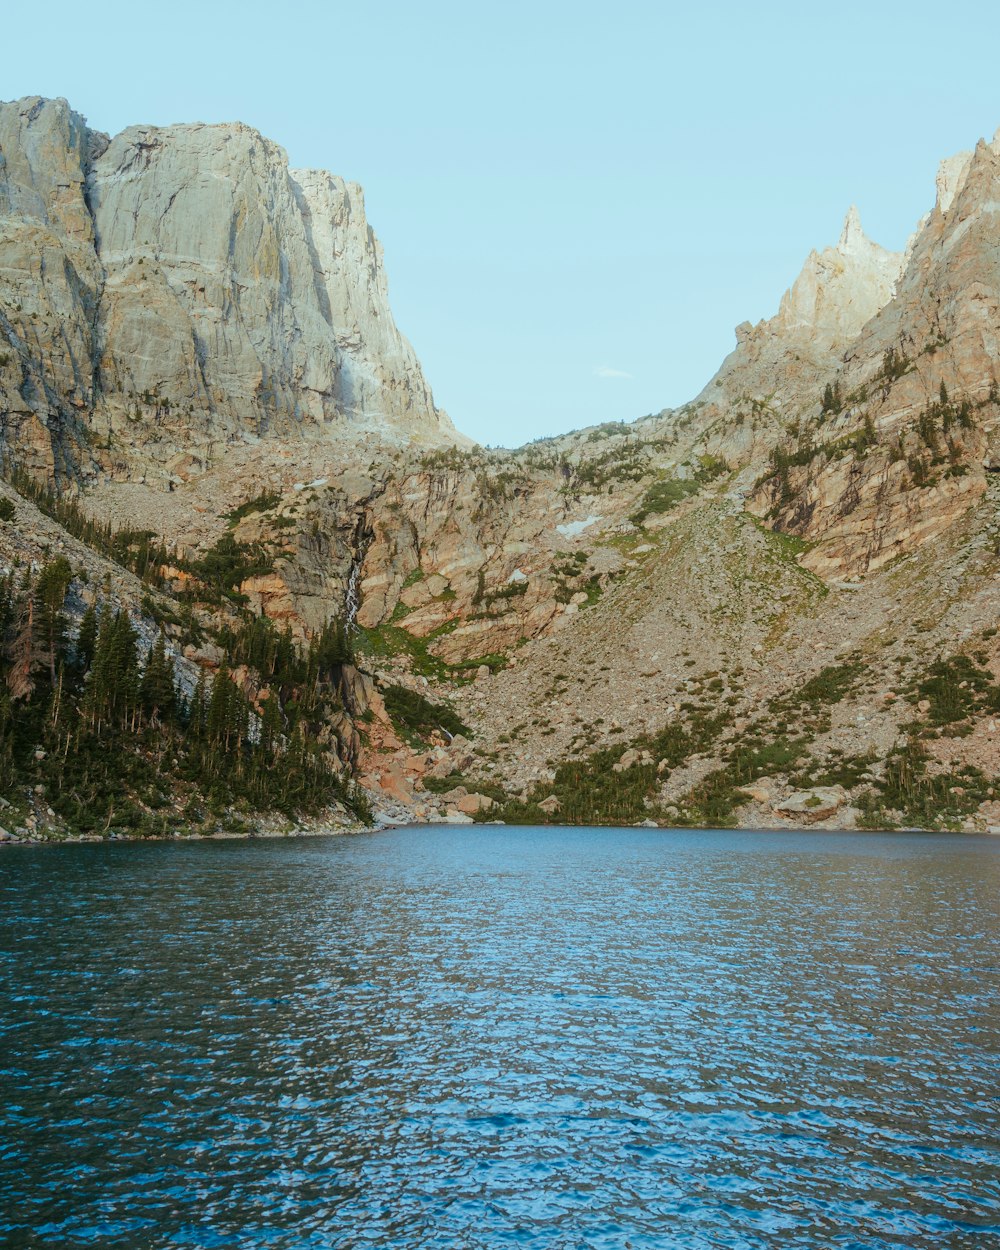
[362, 540]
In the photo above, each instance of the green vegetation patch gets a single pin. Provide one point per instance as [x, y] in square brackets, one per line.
[829, 686]
[716, 799]
[956, 689]
[668, 492]
[226, 565]
[414, 712]
[927, 799]
[260, 503]
[662, 496]
[589, 790]
[841, 770]
[390, 640]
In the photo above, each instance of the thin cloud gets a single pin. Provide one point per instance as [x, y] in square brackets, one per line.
[605, 371]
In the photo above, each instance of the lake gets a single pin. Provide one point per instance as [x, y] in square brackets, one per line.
[485, 1037]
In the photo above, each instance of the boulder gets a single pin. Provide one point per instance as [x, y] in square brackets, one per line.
[820, 803]
[394, 783]
[473, 804]
[454, 817]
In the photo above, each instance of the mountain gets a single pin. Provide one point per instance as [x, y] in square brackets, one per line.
[775, 605]
[177, 288]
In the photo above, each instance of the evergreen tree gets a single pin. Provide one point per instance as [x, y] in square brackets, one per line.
[21, 649]
[8, 603]
[86, 639]
[217, 717]
[49, 596]
[198, 708]
[125, 661]
[113, 688]
[157, 694]
[228, 720]
[270, 724]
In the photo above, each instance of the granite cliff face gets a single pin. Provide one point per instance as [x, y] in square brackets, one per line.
[778, 603]
[173, 289]
[904, 449]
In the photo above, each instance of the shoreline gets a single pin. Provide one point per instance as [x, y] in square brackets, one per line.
[79, 839]
[343, 830]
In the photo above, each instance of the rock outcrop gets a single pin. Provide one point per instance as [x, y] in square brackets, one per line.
[778, 363]
[174, 288]
[899, 455]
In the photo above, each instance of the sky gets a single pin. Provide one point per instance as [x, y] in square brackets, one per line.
[578, 202]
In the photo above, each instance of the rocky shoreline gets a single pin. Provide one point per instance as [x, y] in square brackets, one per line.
[319, 829]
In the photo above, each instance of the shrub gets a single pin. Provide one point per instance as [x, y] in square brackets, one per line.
[662, 496]
[263, 502]
[414, 712]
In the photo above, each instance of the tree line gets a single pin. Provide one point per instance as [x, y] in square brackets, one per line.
[99, 721]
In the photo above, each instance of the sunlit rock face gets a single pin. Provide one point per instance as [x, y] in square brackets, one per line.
[924, 466]
[180, 285]
[838, 290]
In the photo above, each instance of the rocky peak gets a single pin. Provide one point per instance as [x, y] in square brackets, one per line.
[185, 288]
[852, 237]
[44, 150]
[839, 289]
[950, 176]
[780, 362]
[949, 292]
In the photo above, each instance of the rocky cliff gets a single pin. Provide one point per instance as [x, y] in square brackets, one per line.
[776, 604]
[172, 290]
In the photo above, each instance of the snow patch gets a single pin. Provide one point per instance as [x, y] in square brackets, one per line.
[571, 529]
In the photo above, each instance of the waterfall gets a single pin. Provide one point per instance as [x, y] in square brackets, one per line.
[362, 540]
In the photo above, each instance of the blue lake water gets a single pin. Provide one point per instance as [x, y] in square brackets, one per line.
[482, 1037]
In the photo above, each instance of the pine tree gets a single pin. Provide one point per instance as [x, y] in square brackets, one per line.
[217, 720]
[113, 688]
[50, 595]
[8, 604]
[124, 667]
[20, 679]
[270, 724]
[228, 720]
[86, 639]
[96, 695]
[198, 708]
[157, 694]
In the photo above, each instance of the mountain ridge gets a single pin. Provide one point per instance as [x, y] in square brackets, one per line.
[776, 604]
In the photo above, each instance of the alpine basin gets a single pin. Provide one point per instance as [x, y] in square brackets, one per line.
[481, 1037]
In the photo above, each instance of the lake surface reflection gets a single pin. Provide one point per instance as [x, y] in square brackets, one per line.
[487, 1037]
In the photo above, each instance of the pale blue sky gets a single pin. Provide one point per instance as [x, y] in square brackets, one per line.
[578, 201]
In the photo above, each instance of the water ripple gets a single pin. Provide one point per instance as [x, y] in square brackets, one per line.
[491, 1037]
